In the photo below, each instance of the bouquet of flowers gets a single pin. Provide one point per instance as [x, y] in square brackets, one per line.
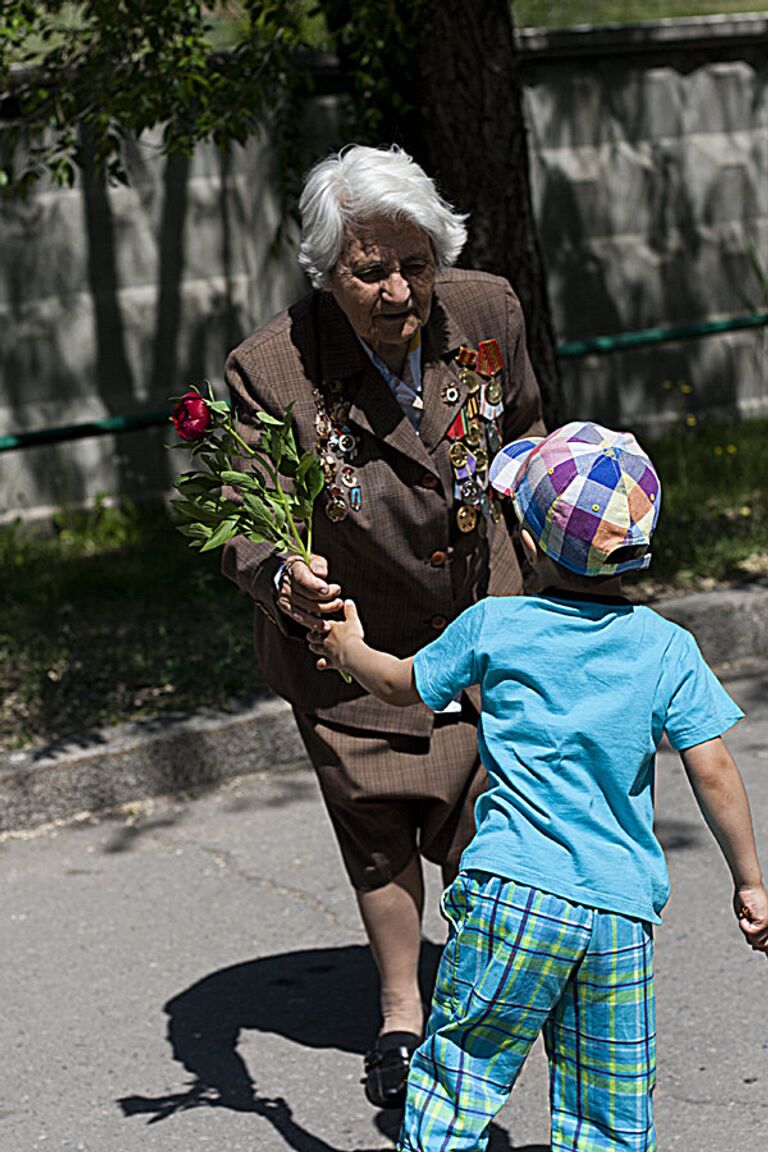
[263, 511]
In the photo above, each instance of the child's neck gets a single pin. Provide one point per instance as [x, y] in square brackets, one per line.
[554, 578]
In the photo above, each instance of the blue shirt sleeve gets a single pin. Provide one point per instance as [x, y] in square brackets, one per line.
[699, 708]
[448, 664]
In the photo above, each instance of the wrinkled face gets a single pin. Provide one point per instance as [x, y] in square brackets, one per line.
[383, 283]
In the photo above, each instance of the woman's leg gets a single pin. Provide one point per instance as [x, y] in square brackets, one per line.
[392, 918]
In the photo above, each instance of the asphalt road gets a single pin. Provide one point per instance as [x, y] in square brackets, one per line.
[192, 975]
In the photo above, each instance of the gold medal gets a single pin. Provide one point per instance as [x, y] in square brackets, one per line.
[493, 391]
[466, 518]
[474, 435]
[469, 379]
[458, 454]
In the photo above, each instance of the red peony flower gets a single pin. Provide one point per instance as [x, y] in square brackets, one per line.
[191, 417]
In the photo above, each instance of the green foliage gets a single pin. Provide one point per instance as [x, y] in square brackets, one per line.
[78, 80]
[100, 72]
[561, 13]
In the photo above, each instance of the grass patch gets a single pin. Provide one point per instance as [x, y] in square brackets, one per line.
[111, 617]
[713, 526]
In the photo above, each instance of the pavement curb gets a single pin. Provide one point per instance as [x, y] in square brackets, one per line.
[131, 762]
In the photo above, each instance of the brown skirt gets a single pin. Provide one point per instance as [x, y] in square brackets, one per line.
[389, 795]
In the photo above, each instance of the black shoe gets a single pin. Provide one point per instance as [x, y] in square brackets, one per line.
[386, 1068]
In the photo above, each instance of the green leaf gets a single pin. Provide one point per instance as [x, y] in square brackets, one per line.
[225, 531]
[260, 512]
[268, 420]
[195, 531]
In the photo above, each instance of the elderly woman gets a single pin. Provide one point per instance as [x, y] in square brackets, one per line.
[405, 377]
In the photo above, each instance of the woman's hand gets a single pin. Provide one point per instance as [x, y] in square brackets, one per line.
[305, 593]
[331, 640]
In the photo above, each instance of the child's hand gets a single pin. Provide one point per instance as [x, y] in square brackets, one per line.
[751, 906]
[331, 639]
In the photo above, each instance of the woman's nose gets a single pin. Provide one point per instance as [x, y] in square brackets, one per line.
[396, 287]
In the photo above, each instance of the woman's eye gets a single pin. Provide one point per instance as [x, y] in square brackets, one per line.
[370, 275]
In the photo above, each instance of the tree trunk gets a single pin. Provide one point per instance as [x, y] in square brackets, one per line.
[469, 134]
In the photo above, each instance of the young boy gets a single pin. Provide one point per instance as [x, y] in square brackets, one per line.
[551, 915]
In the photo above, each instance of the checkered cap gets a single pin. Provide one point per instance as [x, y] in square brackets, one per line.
[590, 497]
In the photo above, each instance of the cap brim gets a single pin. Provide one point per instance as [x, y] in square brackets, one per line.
[507, 464]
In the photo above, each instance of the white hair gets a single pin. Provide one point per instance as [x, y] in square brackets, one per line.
[358, 184]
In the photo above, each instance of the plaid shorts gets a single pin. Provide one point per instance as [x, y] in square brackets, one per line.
[519, 962]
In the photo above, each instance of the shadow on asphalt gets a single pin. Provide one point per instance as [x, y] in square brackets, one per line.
[677, 835]
[320, 998]
[388, 1124]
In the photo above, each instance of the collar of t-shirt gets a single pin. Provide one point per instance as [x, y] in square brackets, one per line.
[407, 391]
[553, 593]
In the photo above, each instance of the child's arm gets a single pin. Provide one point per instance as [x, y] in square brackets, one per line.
[341, 644]
[722, 798]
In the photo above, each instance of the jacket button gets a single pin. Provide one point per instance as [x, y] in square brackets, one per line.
[439, 622]
[429, 480]
[437, 559]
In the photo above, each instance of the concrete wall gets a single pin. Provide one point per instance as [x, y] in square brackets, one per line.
[110, 302]
[649, 149]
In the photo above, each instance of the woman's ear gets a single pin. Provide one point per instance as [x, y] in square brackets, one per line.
[532, 550]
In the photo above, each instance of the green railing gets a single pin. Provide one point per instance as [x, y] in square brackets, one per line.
[595, 346]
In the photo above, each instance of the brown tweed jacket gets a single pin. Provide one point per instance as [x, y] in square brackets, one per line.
[401, 557]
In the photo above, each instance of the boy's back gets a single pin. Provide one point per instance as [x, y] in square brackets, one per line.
[577, 691]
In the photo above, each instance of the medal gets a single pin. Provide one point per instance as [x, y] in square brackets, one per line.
[336, 509]
[458, 453]
[349, 477]
[493, 391]
[466, 518]
[494, 438]
[470, 380]
[471, 492]
[474, 436]
[449, 394]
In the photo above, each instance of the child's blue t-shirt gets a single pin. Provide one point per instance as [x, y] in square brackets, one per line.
[576, 694]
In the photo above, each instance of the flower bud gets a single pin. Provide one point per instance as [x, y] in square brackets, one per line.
[191, 417]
